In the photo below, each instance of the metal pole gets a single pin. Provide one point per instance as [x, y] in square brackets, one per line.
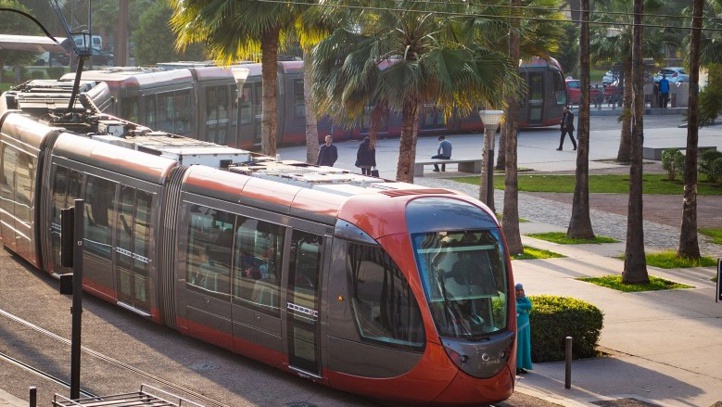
[77, 309]
[33, 402]
[568, 362]
[490, 172]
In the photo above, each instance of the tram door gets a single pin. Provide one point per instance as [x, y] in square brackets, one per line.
[132, 262]
[302, 302]
[535, 98]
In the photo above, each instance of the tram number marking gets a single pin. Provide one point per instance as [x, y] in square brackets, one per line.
[134, 256]
[302, 310]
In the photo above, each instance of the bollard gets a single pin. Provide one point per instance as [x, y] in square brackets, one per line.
[568, 362]
[33, 396]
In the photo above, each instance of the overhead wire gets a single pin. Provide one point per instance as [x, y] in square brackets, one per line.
[507, 17]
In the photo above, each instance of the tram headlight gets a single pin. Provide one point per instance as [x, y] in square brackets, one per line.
[456, 357]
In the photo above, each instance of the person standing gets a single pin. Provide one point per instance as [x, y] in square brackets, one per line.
[664, 90]
[328, 154]
[523, 345]
[567, 127]
[366, 156]
[443, 152]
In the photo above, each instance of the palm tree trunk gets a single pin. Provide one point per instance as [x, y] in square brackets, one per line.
[407, 140]
[688, 244]
[269, 73]
[625, 141]
[580, 224]
[508, 148]
[635, 262]
[312, 146]
[501, 157]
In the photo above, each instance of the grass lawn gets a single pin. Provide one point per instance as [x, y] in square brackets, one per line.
[714, 233]
[654, 184]
[615, 282]
[668, 260]
[561, 238]
[531, 253]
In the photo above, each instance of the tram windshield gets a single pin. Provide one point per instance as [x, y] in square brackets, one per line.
[464, 279]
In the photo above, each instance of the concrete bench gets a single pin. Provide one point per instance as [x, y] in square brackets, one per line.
[655, 153]
[472, 165]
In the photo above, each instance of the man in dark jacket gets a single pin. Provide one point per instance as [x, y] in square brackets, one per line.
[567, 126]
[328, 154]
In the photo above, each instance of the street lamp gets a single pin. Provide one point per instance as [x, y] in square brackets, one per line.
[491, 119]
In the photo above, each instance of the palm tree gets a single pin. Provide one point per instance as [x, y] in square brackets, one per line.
[688, 243]
[580, 224]
[635, 262]
[614, 44]
[234, 30]
[403, 53]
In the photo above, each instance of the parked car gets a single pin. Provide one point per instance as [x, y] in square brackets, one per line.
[609, 78]
[574, 92]
[674, 74]
[55, 58]
[99, 57]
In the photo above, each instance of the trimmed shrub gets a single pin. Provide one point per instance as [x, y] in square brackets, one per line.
[37, 75]
[706, 160]
[672, 162]
[553, 318]
[55, 72]
[716, 171]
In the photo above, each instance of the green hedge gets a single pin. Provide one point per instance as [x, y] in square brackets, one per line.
[554, 318]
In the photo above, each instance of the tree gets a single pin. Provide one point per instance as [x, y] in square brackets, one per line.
[580, 224]
[635, 261]
[15, 23]
[405, 53]
[688, 243]
[611, 41]
[154, 36]
[235, 30]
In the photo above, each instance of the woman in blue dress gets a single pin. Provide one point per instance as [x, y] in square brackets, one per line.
[523, 345]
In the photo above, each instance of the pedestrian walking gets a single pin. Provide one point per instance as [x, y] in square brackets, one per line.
[328, 154]
[567, 127]
[442, 152]
[366, 156]
[523, 345]
[664, 90]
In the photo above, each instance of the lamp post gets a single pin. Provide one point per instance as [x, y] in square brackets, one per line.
[491, 119]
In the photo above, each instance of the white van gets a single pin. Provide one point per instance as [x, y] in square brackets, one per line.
[97, 41]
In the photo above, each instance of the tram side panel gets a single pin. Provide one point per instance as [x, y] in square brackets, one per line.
[122, 190]
[22, 151]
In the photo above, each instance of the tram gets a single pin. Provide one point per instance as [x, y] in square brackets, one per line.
[223, 105]
[384, 289]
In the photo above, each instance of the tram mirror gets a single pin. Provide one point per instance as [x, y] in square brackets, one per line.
[66, 284]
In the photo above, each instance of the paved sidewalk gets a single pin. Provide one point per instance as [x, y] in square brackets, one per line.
[663, 348]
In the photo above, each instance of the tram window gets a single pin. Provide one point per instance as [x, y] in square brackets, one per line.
[209, 255]
[257, 266]
[99, 194]
[182, 110]
[299, 102]
[129, 109]
[245, 100]
[133, 239]
[165, 112]
[560, 87]
[150, 111]
[66, 188]
[463, 275]
[384, 307]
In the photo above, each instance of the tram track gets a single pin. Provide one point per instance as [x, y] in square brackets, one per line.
[155, 379]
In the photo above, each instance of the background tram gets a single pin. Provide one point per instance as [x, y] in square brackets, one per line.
[223, 105]
[280, 261]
